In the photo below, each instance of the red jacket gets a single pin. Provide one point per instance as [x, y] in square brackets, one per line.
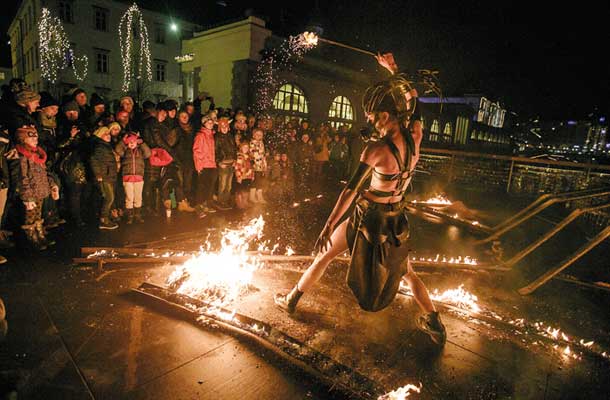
[203, 150]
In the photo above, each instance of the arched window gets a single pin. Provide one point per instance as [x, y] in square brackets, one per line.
[290, 101]
[341, 112]
[448, 130]
[435, 128]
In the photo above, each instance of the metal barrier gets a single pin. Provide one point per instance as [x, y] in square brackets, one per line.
[530, 288]
[540, 204]
[565, 222]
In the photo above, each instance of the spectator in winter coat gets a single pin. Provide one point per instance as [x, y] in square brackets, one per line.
[244, 174]
[46, 119]
[104, 170]
[27, 104]
[95, 113]
[338, 157]
[258, 155]
[204, 158]
[32, 183]
[184, 153]
[302, 162]
[5, 179]
[133, 152]
[72, 156]
[226, 154]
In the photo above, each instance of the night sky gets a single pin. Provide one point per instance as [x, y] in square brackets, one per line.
[536, 60]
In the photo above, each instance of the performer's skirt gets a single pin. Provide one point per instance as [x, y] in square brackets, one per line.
[377, 236]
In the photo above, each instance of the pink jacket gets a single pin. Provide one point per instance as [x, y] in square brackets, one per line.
[203, 150]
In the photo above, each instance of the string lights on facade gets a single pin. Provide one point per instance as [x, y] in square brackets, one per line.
[132, 29]
[55, 51]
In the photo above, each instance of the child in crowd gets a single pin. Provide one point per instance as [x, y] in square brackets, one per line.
[244, 174]
[259, 164]
[133, 151]
[338, 157]
[104, 169]
[33, 184]
[287, 177]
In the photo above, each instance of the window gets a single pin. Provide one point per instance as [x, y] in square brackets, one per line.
[100, 19]
[159, 33]
[448, 130]
[160, 71]
[341, 112]
[101, 61]
[290, 100]
[66, 11]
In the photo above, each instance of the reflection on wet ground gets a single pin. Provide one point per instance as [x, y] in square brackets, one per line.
[76, 332]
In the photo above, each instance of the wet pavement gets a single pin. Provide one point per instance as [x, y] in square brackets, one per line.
[76, 332]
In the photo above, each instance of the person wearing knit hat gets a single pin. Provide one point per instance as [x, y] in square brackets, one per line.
[47, 100]
[115, 130]
[226, 153]
[126, 104]
[104, 169]
[33, 184]
[96, 100]
[208, 117]
[70, 106]
[94, 114]
[101, 132]
[28, 98]
[80, 97]
[47, 126]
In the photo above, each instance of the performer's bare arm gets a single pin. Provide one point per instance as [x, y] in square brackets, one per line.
[368, 160]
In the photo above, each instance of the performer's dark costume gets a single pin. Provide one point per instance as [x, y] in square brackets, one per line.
[377, 236]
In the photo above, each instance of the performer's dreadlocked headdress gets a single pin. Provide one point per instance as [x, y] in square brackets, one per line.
[391, 95]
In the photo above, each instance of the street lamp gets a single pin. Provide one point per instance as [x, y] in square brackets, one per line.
[173, 27]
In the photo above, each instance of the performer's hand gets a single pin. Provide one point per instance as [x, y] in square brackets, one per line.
[387, 61]
[323, 243]
[29, 205]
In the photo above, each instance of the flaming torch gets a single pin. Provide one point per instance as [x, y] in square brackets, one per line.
[310, 40]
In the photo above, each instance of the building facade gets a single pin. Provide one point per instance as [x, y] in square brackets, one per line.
[6, 74]
[471, 123]
[92, 30]
[223, 62]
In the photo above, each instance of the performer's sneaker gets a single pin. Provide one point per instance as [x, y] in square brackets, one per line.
[432, 325]
[288, 302]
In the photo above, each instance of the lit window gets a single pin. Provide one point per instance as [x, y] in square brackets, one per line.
[435, 128]
[160, 71]
[101, 19]
[448, 130]
[101, 61]
[341, 112]
[290, 100]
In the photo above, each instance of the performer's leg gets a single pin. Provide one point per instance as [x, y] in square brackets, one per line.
[420, 292]
[315, 270]
[430, 322]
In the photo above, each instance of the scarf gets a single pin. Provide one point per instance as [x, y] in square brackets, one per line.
[187, 128]
[37, 155]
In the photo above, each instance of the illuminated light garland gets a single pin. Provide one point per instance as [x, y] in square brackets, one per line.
[55, 50]
[185, 58]
[131, 16]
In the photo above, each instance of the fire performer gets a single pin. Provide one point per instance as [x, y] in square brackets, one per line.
[377, 231]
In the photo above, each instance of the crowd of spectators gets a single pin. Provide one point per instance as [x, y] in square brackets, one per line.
[134, 162]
